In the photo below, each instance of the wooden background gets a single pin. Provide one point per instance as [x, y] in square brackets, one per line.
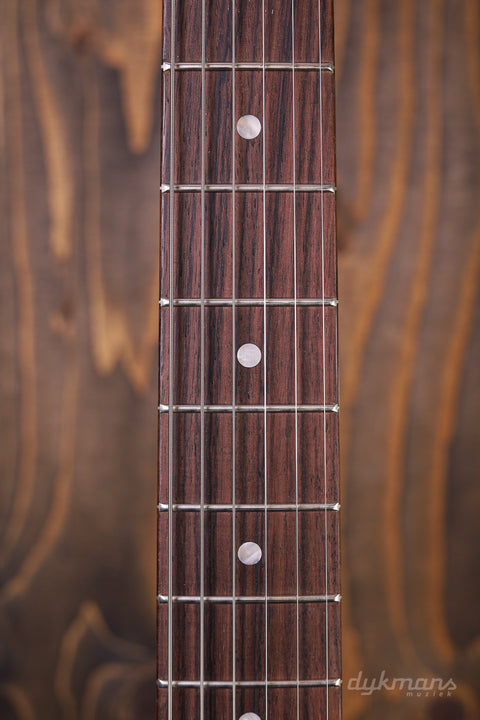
[79, 138]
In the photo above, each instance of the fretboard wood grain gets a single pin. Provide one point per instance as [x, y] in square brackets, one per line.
[262, 638]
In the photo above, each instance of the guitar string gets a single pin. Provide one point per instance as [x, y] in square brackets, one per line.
[294, 199]
[234, 499]
[170, 368]
[202, 383]
[265, 449]
[320, 41]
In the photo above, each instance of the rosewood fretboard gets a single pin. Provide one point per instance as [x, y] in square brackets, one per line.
[248, 580]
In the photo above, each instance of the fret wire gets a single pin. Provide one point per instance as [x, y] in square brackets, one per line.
[170, 372]
[323, 348]
[234, 369]
[272, 507]
[265, 460]
[331, 682]
[334, 408]
[250, 187]
[202, 382]
[249, 302]
[325, 66]
[250, 599]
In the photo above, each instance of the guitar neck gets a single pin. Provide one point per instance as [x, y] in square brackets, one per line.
[248, 573]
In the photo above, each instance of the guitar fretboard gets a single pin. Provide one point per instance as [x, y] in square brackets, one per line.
[248, 580]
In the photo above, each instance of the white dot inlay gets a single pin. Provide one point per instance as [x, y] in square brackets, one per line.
[249, 355]
[249, 127]
[249, 716]
[249, 553]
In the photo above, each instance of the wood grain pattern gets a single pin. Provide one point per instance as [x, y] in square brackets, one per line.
[407, 267]
[82, 77]
[77, 353]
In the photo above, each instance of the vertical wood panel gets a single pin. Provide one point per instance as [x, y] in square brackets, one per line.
[79, 136]
[409, 281]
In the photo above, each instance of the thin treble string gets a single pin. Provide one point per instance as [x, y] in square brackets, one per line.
[202, 387]
[170, 363]
[265, 356]
[324, 368]
[296, 361]
[234, 367]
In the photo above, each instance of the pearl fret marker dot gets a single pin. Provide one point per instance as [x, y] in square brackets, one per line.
[249, 127]
[249, 553]
[249, 716]
[249, 355]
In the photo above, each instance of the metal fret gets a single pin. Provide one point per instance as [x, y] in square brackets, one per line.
[249, 302]
[251, 187]
[326, 66]
[249, 408]
[251, 599]
[251, 683]
[273, 507]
